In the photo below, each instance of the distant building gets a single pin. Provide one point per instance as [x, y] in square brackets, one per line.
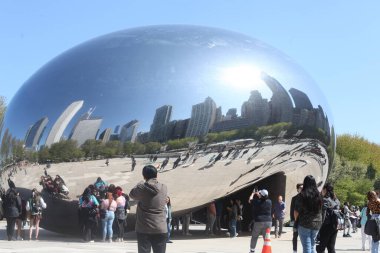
[180, 129]
[86, 129]
[202, 118]
[161, 118]
[143, 137]
[233, 124]
[105, 135]
[231, 114]
[63, 120]
[35, 133]
[256, 109]
[129, 131]
[281, 104]
[219, 115]
[301, 100]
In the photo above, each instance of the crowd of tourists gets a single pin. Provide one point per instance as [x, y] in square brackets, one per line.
[316, 217]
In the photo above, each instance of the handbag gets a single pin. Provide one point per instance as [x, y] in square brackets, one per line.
[370, 227]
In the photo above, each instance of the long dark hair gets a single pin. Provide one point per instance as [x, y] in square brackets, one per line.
[311, 198]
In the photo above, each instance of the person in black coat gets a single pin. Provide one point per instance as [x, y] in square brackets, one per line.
[292, 219]
[12, 210]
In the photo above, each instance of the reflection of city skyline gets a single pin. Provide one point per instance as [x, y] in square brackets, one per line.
[205, 117]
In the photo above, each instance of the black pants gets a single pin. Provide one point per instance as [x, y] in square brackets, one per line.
[327, 238]
[89, 230]
[120, 228]
[295, 236]
[11, 222]
[147, 241]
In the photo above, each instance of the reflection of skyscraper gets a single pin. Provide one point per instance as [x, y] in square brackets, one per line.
[231, 114]
[129, 131]
[105, 135]
[219, 115]
[202, 118]
[256, 109]
[180, 129]
[59, 126]
[86, 129]
[161, 118]
[281, 104]
[301, 100]
[33, 138]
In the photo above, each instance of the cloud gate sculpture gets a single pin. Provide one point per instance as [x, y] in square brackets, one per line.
[226, 112]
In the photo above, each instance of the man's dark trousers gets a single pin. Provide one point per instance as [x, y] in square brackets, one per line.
[155, 241]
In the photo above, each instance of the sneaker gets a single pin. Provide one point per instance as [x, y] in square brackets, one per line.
[19, 238]
[169, 241]
[110, 240]
[348, 235]
[91, 241]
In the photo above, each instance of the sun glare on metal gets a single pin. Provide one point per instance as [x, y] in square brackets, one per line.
[244, 76]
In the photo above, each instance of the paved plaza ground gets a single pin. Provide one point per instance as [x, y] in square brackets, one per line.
[197, 243]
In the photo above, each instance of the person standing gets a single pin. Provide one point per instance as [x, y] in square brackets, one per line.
[363, 220]
[88, 205]
[35, 205]
[151, 226]
[308, 212]
[120, 214]
[292, 219]
[232, 210]
[219, 213]
[261, 213]
[328, 231]
[107, 215]
[12, 210]
[168, 211]
[347, 222]
[374, 208]
[186, 218]
[278, 216]
[211, 216]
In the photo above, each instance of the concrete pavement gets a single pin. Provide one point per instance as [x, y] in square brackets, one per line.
[197, 243]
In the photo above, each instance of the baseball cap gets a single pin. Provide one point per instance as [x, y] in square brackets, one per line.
[263, 193]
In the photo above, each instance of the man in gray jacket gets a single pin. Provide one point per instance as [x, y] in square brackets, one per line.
[151, 227]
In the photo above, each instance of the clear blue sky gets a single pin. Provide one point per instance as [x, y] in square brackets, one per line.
[336, 42]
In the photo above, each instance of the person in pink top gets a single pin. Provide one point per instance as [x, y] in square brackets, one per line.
[107, 215]
[121, 213]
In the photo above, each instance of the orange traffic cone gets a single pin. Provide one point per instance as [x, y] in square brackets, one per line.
[267, 247]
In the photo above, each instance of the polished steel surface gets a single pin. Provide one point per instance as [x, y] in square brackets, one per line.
[162, 83]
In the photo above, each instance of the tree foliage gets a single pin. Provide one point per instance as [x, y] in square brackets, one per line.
[356, 167]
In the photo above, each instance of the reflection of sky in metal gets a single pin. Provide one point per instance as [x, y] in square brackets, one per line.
[127, 75]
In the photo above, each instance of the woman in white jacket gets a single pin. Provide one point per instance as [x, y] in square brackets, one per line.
[34, 207]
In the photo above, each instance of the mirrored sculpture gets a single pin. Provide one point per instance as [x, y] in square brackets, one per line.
[216, 111]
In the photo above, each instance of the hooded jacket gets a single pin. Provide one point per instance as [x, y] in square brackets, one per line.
[150, 214]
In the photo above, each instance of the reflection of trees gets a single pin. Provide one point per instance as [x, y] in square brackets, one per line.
[3, 107]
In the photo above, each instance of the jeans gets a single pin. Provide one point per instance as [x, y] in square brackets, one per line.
[259, 228]
[307, 237]
[120, 228]
[347, 225]
[168, 224]
[232, 227]
[375, 247]
[278, 224]
[155, 241]
[107, 225]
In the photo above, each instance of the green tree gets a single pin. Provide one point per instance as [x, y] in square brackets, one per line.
[152, 147]
[65, 151]
[371, 172]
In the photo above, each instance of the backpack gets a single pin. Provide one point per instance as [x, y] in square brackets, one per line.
[335, 218]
